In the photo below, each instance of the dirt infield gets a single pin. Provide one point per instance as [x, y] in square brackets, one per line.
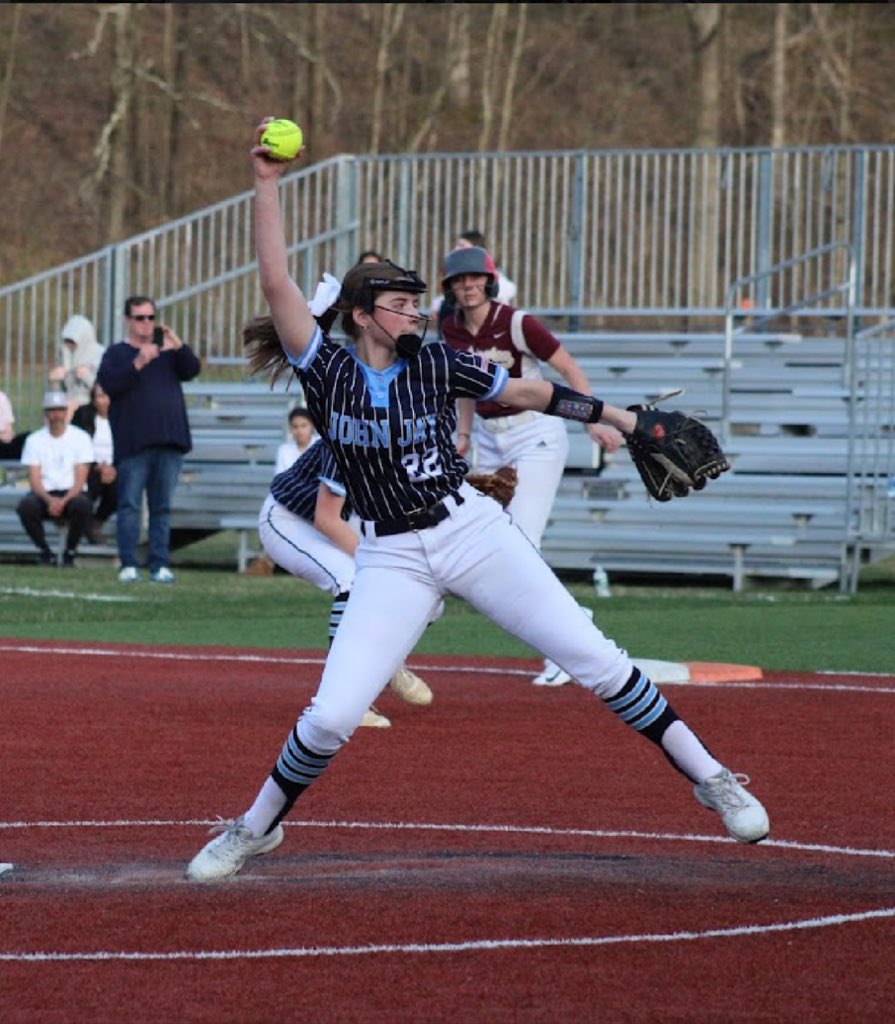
[508, 854]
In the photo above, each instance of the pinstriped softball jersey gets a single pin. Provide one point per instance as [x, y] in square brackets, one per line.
[390, 431]
[296, 487]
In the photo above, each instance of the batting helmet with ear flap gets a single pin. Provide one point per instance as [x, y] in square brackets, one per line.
[473, 260]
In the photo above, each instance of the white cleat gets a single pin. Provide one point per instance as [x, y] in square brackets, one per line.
[410, 688]
[227, 853]
[552, 675]
[374, 720]
[743, 816]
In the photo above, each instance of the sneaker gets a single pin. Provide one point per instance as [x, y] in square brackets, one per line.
[162, 575]
[128, 575]
[409, 687]
[46, 557]
[227, 853]
[374, 720]
[68, 559]
[743, 816]
[552, 675]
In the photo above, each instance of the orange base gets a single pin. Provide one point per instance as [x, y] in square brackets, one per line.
[717, 672]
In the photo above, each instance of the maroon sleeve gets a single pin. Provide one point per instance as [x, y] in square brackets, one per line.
[541, 343]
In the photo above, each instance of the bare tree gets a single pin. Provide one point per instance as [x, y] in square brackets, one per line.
[835, 68]
[459, 56]
[176, 47]
[111, 150]
[492, 73]
[705, 23]
[778, 78]
[512, 75]
[11, 49]
[317, 72]
[391, 19]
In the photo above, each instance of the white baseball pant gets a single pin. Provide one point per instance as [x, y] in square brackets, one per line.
[302, 550]
[478, 554]
[537, 446]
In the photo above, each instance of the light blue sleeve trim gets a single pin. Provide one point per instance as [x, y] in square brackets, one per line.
[333, 485]
[500, 382]
[307, 357]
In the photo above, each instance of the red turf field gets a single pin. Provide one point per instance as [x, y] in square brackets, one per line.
[508, 854]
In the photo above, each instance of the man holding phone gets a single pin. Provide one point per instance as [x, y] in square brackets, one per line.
[150, 430]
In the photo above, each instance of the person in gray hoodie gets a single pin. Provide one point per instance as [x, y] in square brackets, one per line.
[79, 357]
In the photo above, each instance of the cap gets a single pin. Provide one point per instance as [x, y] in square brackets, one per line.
[55, 400]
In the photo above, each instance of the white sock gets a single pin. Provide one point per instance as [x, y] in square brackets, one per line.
[268, 804]
[684, 748]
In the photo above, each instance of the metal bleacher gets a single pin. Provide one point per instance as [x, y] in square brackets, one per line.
[236, 429]
[780, 512]
[767, 296]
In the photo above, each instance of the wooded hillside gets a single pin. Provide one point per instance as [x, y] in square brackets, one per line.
[116, 117]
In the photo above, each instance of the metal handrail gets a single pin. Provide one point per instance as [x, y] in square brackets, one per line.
[733, 309]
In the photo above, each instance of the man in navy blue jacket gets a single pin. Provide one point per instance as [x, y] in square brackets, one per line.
[142, 375]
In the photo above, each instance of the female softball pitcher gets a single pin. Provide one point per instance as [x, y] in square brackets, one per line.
[386, 405]
[302, 530]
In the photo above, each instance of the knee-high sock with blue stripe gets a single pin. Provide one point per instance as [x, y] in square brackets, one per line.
[336, 613]
[296, 767]
[640, 704]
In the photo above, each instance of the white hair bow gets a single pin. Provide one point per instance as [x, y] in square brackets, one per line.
[327, 292]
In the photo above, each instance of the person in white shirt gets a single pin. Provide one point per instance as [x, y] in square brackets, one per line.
[303, 436]
[58, 457]
[11, 444]
[102, 480]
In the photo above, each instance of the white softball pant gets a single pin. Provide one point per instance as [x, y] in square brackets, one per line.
[301, 549]
[538, 447]
[477, 553]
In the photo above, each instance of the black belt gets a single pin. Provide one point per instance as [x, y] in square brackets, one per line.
[418, 519]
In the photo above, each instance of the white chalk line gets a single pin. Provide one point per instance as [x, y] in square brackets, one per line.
[472, 945]
[453, 947]
[33, 592]
[406, 826]
[481, 670]
[476, 945]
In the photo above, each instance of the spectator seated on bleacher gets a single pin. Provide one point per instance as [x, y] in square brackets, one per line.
[102, 480]
[79, 357]
[58, 457]
[11, 444]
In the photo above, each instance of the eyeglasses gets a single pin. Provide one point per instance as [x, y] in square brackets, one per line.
[144, 316]
[416, 315]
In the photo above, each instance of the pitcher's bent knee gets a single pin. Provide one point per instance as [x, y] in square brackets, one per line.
[326, 728]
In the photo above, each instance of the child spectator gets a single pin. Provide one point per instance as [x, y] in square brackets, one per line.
[303, 436]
